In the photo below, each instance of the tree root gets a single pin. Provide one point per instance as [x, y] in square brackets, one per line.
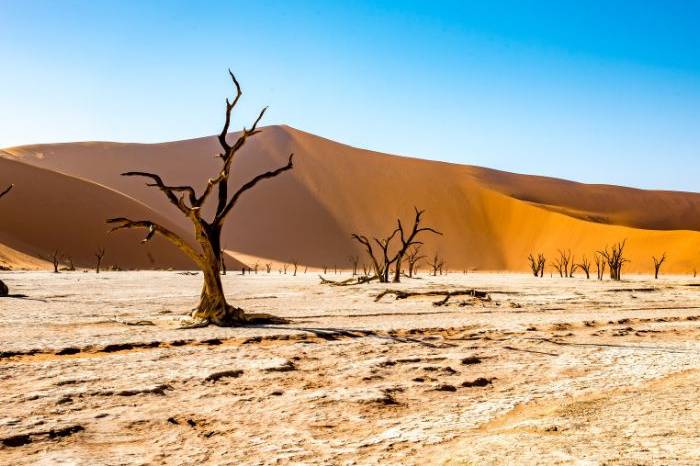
[232, 317]
[349, 281]
[484, 296]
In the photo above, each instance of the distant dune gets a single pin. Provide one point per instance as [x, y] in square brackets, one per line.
[48, 211]
[491, 220]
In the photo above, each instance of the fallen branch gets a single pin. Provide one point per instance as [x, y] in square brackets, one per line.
[446, 293]
[349, 281]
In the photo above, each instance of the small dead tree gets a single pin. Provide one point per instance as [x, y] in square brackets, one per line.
[409, 239]
[599, 265]
[56, 260]
[382, 259]
[268, 267]
[354, 261]
[213, 307]
[585, 265]
[285, 266]
[413, 256]
[537, 265]
[436, 264]
[657, 264]
[615, 259]
[99, 254]
[295, 266]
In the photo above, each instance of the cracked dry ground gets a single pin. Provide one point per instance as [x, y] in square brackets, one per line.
[548, 371]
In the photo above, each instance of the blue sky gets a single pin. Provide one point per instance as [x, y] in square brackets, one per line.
[598, 91]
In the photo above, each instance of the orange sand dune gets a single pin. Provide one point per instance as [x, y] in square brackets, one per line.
[491, 220]
[48, 211]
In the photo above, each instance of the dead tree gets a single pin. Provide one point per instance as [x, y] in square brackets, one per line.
[56, 260]
[657, 264]
[413, 256]
[409, 239]
[382, 260]
[285, 266]
[565, 264]
[213, 307]
[295, 266]
[354, 261]
[599, 265]
[268, 267]
[537, 265]
[436, 264]
[585, 265]
[615, 259]
[380, 264]
[99, 254]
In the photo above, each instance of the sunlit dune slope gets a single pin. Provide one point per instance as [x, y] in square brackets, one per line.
[48, 211]
[491, 220]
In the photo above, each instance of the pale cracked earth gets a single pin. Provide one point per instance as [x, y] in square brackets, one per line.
[549, 371]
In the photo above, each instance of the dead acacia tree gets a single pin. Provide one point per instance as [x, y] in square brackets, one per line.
[382, 259]
[354, 261]
[409, 239]
[56, 260]
[99, 254]
[436, 264]
[599, 265]
[268, 267]
[213, 307]
[565, 264]
[295, 266]
[657, 264]
[585, 265]
[615, 259]
[537, 265]
[413, 256]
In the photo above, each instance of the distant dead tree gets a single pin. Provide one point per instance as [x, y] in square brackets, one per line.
[268, 267]
[537, 265]
[585, 265]
[599, 265]
[213, 307]
[365, 269]
[99, 254]
[285, 266]
[56, 260]
[413, 256]
[436, 264]
[354, 261]
[295, 266]
[256, 266]
[382, 260]
[325, 269]
[615, 259]
[657, 264]
[409, 239]
[565, 264]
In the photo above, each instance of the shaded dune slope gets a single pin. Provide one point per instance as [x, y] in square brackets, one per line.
[49, 211]
[491, 220]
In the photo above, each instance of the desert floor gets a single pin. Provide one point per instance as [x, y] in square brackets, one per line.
[94, 371]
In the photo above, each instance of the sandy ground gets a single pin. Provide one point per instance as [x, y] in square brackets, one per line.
[549, 371]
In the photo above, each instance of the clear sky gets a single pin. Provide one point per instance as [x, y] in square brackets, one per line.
[595, 91]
